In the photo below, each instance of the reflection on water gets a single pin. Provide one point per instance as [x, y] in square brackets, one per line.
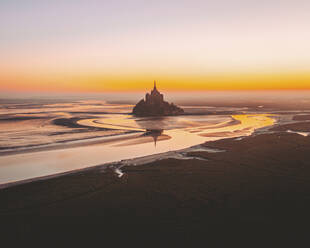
[148, 136]
[154, 134]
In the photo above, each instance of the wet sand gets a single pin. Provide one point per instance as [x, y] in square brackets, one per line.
[254, 193]
[68, 133]
[298, 127]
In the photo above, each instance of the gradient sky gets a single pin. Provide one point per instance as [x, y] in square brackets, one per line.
[99, 46]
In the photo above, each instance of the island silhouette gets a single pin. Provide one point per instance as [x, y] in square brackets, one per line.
[154, 105]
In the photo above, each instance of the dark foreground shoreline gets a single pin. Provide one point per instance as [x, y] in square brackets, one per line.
[256, 193]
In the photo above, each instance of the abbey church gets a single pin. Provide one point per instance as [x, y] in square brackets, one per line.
[154, 105]
[155, 96]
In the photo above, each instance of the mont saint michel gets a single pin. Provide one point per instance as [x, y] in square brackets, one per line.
[154, 105]
[216, 153]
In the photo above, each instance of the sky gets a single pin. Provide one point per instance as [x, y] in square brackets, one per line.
[103, 46]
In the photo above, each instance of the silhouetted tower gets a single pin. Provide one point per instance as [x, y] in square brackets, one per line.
[155, 97]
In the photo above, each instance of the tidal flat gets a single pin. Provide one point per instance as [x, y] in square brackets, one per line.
[249, 182]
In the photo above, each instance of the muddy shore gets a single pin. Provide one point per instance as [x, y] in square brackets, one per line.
[256, 191]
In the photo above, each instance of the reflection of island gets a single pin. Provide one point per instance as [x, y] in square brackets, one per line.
[154, 105]
[154, 133]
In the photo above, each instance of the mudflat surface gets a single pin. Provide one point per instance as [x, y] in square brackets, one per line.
[256, 191]
[298, 127]
[301, 117]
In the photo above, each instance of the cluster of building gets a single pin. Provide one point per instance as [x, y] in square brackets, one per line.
[154, 105]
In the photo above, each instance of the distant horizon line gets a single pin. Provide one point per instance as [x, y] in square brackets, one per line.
[55, 92]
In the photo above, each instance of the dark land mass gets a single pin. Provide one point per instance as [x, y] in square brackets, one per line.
[297, 127]
[301, 117]
[255, 194]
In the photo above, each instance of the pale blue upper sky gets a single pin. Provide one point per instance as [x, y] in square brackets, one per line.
[154, 35]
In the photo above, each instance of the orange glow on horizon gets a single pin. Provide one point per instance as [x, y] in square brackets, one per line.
[112, 83]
